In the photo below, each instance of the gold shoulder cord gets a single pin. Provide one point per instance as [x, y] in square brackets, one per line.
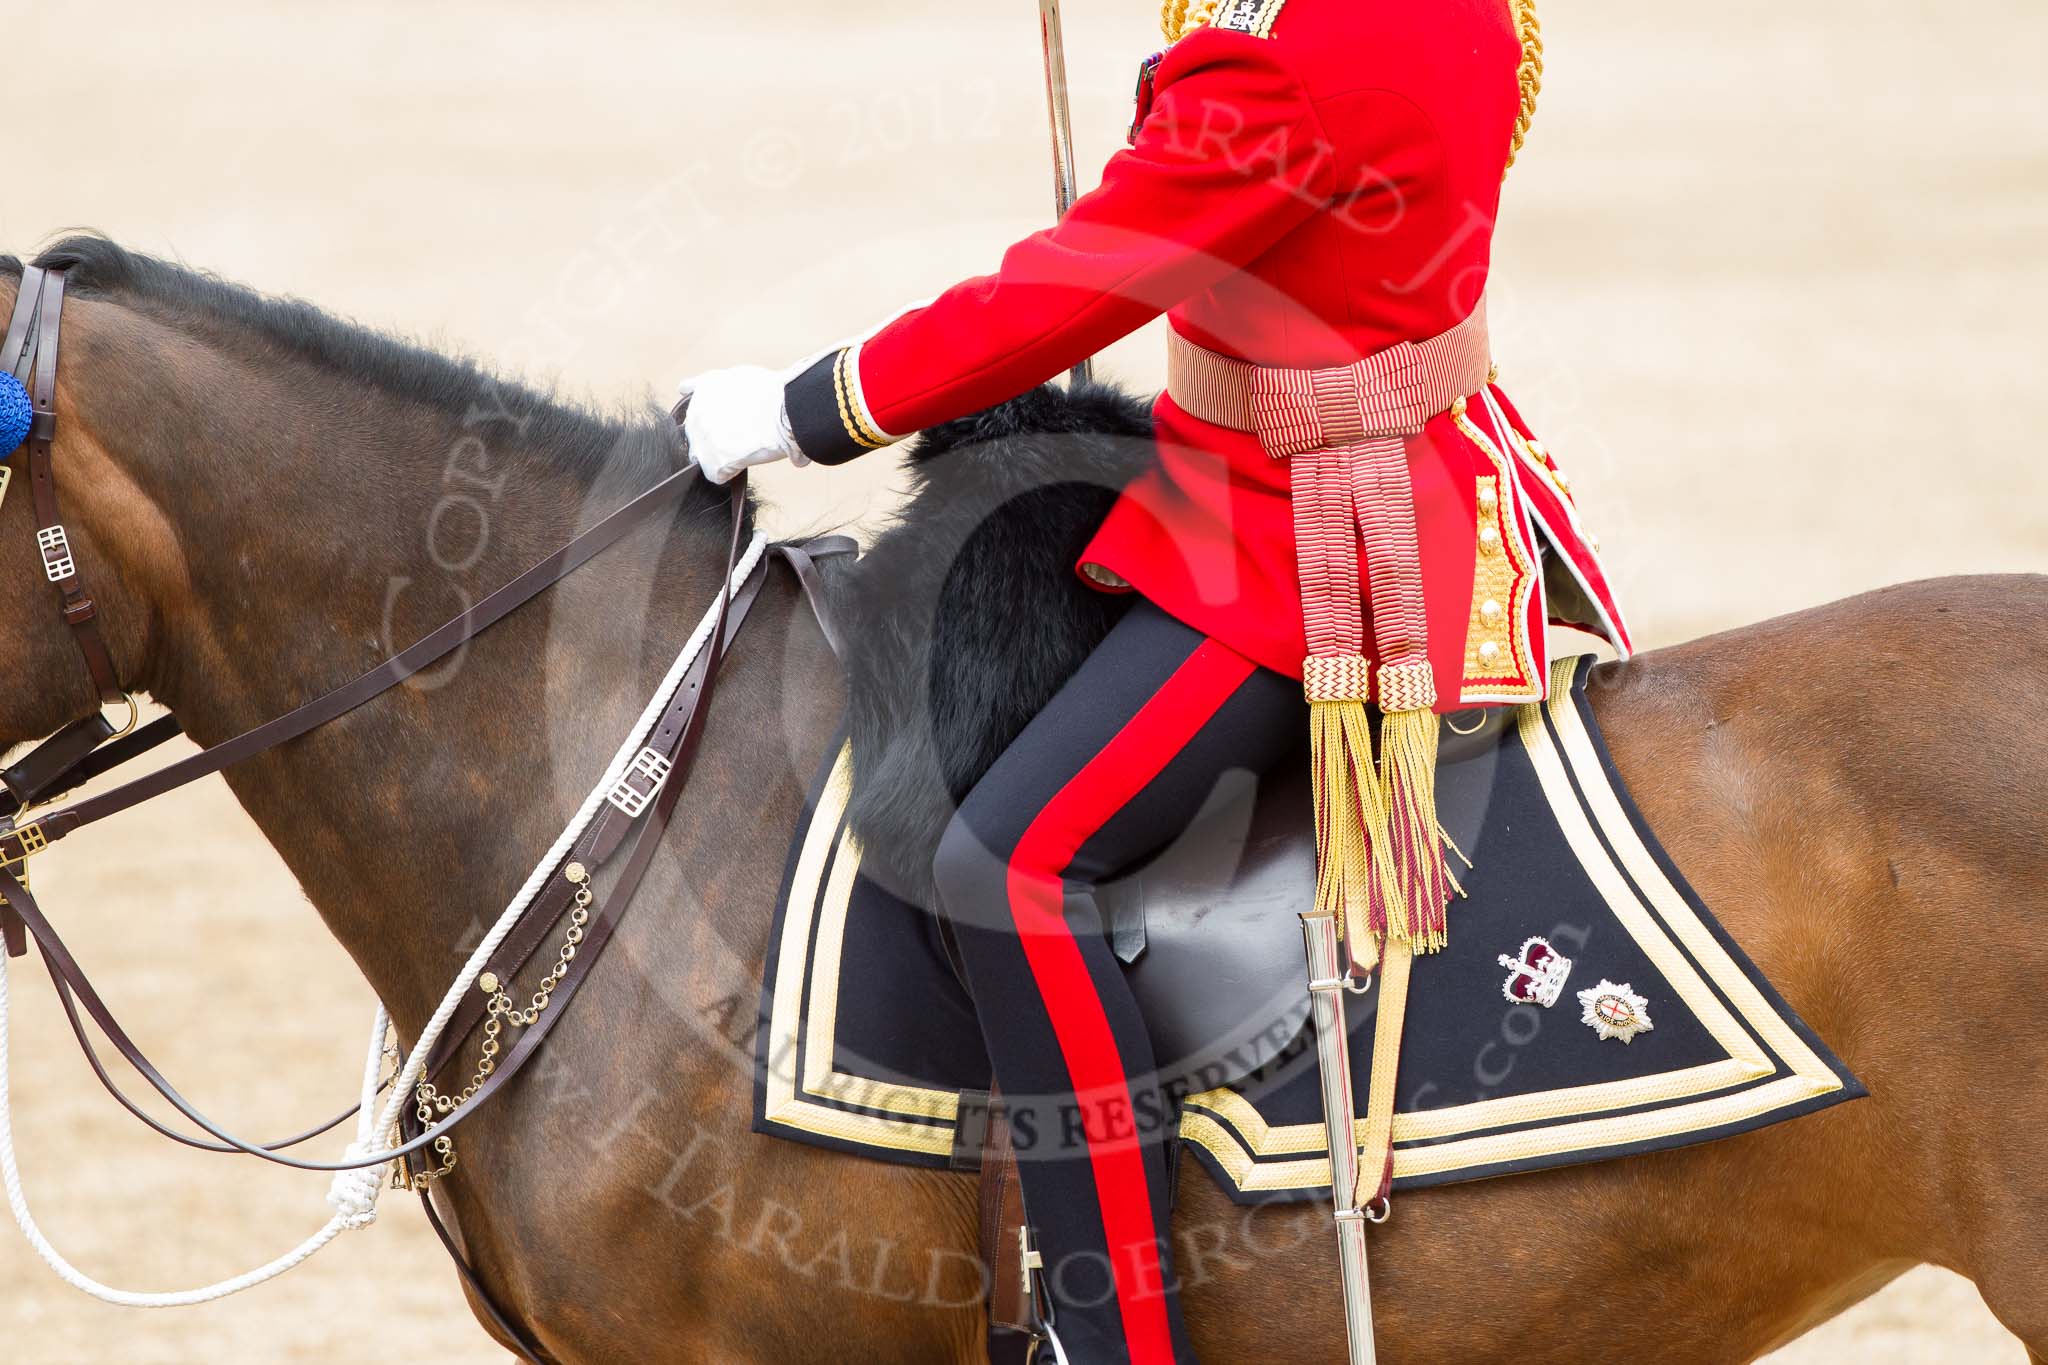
[1529, 75]
[1178, 18]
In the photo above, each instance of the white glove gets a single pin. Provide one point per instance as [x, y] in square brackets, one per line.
[736, 421]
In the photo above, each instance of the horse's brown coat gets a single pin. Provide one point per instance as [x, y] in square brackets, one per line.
[1856, 790]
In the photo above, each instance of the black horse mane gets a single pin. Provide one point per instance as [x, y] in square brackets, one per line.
[966, 615]
[963, 618]
[587, 444]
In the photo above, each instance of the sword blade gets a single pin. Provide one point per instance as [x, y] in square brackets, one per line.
[1060, 109]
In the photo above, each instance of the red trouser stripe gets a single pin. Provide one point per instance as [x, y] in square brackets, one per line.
[1134, 756]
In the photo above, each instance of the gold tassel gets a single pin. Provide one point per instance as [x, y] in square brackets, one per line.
[1350, 815]
[1352, 854]
[1417, 877]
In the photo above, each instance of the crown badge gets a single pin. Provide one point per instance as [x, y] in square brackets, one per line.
[1537, 976]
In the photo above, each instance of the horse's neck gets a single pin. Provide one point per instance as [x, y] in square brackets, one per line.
[311, 549]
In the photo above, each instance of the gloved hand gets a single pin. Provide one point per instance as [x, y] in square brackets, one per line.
[736, 420]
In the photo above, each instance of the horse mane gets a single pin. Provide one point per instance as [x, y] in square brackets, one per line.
[584, 443]
[966, 615]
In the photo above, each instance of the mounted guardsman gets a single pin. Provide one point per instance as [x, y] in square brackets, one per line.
[1343, 503]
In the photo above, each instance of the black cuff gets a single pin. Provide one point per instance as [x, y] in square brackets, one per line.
[825, 411]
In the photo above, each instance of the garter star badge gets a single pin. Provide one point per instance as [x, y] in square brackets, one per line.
[1615, 1011]
[1537, 976]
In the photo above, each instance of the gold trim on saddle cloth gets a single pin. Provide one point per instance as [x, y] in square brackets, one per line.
[1261, 1157]
[1761, 1066]
[800, 1071]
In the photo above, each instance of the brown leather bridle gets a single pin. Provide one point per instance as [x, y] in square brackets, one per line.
[30, 355]
[631, 823]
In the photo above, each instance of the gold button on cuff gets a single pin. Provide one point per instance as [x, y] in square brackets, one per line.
[1490, 609]
[1489, 652]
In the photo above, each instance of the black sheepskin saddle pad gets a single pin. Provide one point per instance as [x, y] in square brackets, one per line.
[966, 616]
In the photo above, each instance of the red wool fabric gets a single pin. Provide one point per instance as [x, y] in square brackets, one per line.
[1300, 201]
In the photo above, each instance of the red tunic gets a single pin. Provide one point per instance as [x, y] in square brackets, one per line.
[1300, 195]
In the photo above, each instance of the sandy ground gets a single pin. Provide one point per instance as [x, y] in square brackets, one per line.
[1768, 282]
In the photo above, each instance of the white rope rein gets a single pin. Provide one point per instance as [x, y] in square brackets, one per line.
[353, 1194]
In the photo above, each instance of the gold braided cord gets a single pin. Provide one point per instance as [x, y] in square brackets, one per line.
[1179, 18]
[1529, 76]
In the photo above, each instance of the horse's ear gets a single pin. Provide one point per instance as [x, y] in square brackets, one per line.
[17, 414]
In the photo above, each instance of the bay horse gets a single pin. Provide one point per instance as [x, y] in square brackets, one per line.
[268, 501]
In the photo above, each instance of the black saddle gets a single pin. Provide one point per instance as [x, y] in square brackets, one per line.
[1209, 929]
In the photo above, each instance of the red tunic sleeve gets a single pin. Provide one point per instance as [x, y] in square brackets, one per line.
[1230, 159]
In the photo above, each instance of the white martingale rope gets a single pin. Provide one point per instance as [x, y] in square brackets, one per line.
[353, 1193]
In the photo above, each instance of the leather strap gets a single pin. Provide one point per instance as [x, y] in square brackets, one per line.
[107, 1082]
[1015, 1325]
[56, 758]
[52, 767]
[29, 352]
[531, 931]
[1376, 1155]
[477, 1293]
[601, 841]
[37, 351]
[61, 963]
[803, 557]
[596, 848]
[421, 655]
[15, 360]
[26, 301]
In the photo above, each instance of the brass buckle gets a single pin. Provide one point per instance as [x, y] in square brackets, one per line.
[32, 840]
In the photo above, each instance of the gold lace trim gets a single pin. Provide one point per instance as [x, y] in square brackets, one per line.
[1529, 76]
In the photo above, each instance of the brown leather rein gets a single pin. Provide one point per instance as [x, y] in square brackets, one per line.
[632, 822]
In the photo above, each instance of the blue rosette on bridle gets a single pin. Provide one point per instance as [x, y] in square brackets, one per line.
[16, 414]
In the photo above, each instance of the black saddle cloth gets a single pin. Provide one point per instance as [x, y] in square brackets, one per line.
[963, 621]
